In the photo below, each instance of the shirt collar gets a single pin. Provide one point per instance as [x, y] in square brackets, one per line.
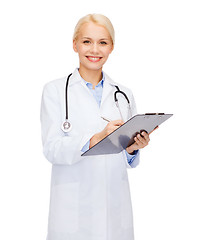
[100, 84]
[75, 78]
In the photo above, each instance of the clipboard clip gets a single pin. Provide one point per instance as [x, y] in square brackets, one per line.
[154, 113]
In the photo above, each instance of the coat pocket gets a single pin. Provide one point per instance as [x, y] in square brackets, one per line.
[64, 208]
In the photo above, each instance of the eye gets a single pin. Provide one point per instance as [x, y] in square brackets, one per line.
[103, 43]
[86, 41]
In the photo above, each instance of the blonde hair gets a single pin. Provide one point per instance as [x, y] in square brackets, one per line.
[98, 19]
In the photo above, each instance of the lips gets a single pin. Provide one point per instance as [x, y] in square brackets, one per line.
[94, 59]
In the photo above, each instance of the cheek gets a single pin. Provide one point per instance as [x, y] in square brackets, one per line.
[81, 49]
[106, 52]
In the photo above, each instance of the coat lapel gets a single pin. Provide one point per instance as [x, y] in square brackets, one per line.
[108, 86]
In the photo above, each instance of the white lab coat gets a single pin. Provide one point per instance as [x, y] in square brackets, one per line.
[90, 197]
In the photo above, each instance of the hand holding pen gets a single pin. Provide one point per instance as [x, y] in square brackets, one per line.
[109, 128]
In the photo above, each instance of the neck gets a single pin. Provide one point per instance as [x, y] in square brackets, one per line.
[92, 76]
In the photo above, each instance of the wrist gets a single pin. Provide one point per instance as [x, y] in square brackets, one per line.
[95, 139]
[130, 150]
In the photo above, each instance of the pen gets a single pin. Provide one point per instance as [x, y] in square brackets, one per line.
[106, 119]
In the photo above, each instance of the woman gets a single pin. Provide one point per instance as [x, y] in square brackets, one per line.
[90, 198]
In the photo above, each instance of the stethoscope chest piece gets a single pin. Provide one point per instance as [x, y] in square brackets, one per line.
[66, 126]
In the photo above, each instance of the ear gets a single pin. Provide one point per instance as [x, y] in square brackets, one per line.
[75, 45]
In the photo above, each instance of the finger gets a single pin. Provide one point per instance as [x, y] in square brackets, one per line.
[146, 136]
[118, 122]
[141, 140]
[115, 127]
[112, 128]
[137, 141]
[140, 143]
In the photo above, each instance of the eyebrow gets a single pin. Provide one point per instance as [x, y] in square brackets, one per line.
[99, 39]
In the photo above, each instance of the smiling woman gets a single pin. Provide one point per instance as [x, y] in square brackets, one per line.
[93, 40]
[90, 197]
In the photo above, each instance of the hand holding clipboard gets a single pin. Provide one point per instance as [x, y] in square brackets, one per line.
[123, 136]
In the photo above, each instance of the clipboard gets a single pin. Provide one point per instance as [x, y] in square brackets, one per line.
[123, 136]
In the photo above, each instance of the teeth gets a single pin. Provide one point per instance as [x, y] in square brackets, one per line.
[94, 58]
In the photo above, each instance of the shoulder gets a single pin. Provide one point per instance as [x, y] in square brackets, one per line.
[60, 83]
[57, 83]
[54, 86]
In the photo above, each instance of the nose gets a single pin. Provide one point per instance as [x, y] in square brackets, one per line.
[94, 49]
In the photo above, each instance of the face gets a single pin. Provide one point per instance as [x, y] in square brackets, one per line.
[93, 45]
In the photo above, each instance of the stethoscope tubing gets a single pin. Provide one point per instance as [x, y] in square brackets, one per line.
[66, 103]
[118, 91]
[66, 97]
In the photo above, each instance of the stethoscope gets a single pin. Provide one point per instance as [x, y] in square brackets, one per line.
[67, 126]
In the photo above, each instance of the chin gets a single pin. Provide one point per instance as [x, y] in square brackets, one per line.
[93, 67]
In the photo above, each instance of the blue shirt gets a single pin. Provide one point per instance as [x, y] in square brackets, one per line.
[97, 93]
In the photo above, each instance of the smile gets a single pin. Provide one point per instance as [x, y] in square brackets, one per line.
[94, 59]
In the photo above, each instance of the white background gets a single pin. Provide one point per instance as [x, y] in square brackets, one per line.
[164, 52]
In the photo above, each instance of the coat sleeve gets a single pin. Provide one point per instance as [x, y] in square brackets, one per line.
[58, 147]
[136, 160]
